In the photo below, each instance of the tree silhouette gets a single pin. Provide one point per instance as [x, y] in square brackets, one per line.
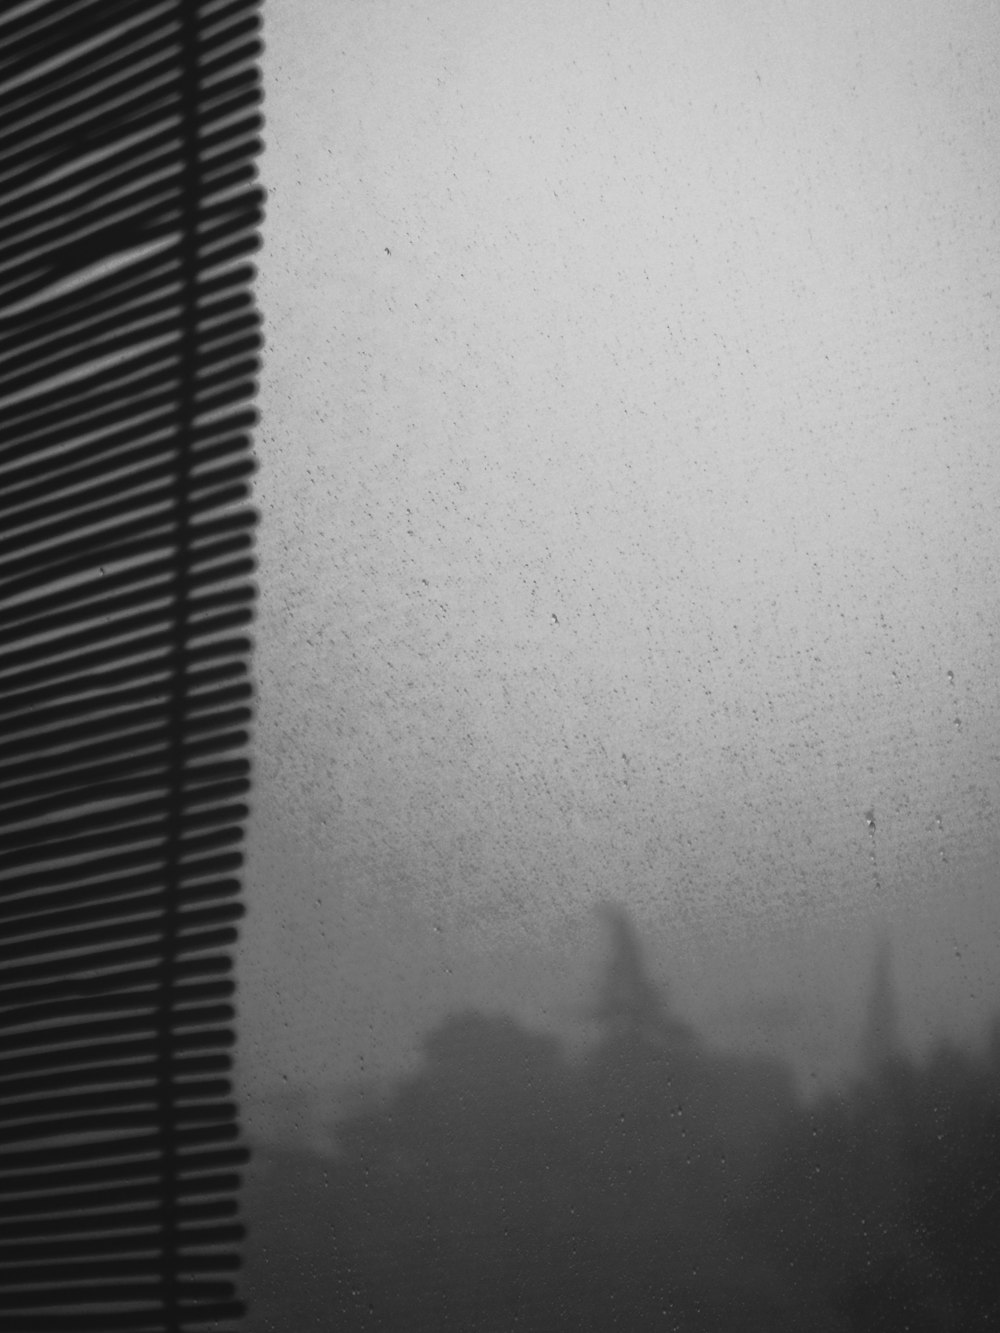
[503, 1186]
[652, 1183]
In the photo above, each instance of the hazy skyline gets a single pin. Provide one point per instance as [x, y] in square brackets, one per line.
[628, 481]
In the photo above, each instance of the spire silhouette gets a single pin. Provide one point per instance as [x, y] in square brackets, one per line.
[881, 1042]
[629, 1001]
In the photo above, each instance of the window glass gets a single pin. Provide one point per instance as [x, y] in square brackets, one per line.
[621, 882]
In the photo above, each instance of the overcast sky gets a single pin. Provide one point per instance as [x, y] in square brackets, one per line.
[629, 481]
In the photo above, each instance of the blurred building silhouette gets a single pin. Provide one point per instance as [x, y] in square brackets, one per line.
[630, 1004]
[881, 1043]
[702, 1101]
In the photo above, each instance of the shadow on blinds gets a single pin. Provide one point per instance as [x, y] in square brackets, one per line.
[129, 342]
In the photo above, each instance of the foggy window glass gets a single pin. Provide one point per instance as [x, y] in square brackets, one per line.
[621, 880]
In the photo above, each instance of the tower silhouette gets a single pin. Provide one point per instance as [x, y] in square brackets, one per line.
[629, 1003]
[882, 1044]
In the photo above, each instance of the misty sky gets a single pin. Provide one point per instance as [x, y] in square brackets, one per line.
[628, 480]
